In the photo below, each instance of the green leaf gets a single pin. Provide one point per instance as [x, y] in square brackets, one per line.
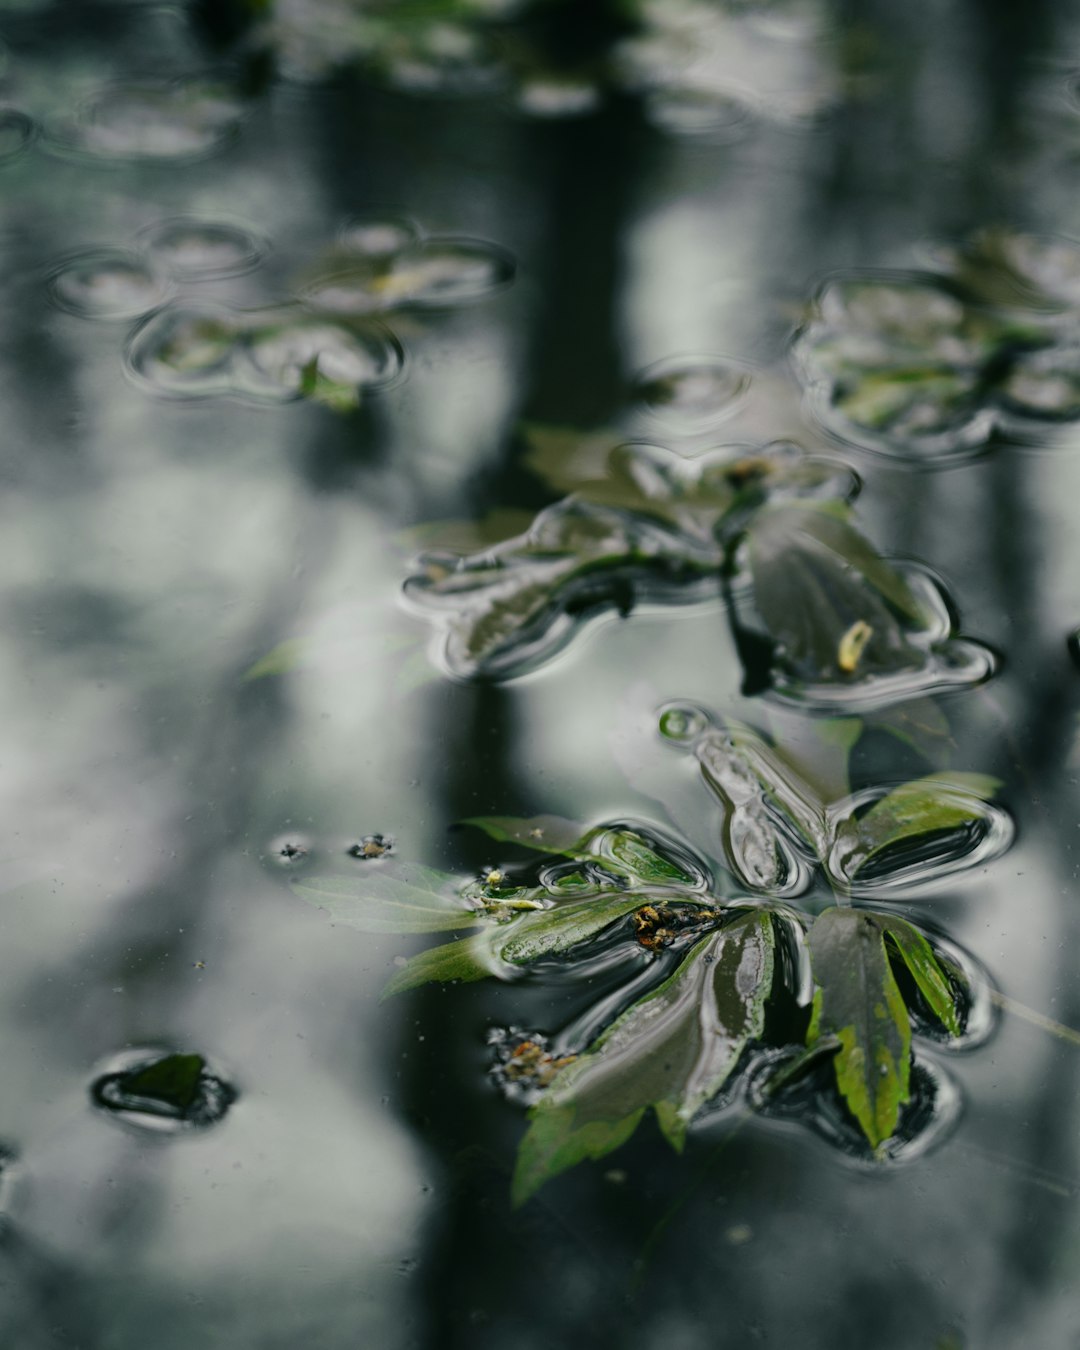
[925, 969]
[940, 801]
[173, 1080]
[286, 656]
[413, 901]
[546, 932]
[832, 606]
[858, 1002]
[463, 960]
[339, 395]
[645, 865]
[565, 457]
[672, 1050]
[546, 834]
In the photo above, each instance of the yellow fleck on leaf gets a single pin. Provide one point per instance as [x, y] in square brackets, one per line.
[852, 645]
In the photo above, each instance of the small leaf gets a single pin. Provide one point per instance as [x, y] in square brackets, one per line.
[463, 960]
[646, 866]
[673, 1050]
[173, 1080]
[547, 932]
[565, 457]
[942, 801]
[925, 969]
[858, 1001]
[414, 901]
[546, 834]
[286, 656]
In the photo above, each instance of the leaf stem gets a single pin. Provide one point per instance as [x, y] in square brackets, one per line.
[1036, 1019]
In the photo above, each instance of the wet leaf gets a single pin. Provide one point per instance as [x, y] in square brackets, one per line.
[672, 1050]
[412, 901]
[646, 866]
[173, 1080]
[462, 961]
[548, 932]
[546, 834]
[858, 1003]
[340, 396]
[941, 801]
[814, 578]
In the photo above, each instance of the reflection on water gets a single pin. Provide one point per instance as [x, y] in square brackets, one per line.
[210, 698]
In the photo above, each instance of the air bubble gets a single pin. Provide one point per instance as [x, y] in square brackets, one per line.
[107, 284]
[683, 723]
[167, 1093]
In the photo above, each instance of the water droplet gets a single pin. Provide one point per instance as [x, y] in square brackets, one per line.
[692, 390]
[197, 249]
[683, 723]
[17, 132]
[372, 846]
[107, 284]
[155, 120]
[162, 1091]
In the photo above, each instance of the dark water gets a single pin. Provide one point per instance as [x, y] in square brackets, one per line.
[169, 522]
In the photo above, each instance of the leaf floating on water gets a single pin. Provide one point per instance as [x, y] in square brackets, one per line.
[546, 834]
[926, 829]
[413, 901]
[167, 1092]
[463, 961]
[859, 1006]
[672, 1050]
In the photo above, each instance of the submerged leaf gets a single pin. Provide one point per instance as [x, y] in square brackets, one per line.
[463, 960]
[672, 1050]
[546, 834]
[415, 901]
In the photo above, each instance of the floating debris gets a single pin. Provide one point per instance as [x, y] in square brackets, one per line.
[165, 1092]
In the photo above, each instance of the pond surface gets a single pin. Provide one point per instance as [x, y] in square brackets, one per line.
[303, 305]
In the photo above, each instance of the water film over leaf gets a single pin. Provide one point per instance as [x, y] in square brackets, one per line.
[672, 1051]
[414, 901]
[777, 817]
[859, 1007]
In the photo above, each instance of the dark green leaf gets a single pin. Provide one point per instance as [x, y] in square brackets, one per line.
[938, 802]
[672, 1050]
[173, 1080]
[858, 1002]
[925, 969]
[546, 834]
[412, 901]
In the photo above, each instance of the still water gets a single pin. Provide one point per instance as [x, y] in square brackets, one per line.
[282, 287]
